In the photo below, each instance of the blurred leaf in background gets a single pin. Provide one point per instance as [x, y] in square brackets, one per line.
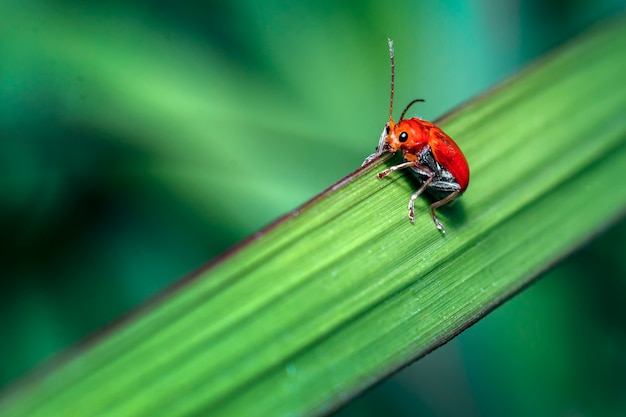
[139, 140]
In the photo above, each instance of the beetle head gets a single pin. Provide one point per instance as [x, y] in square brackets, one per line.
[403, 134]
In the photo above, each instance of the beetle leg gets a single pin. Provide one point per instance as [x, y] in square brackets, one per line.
[395, 168]
[380, 149]
[417, 194]
[440, 203]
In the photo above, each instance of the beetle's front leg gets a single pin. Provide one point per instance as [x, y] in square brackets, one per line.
[380, 149]
[389, 170]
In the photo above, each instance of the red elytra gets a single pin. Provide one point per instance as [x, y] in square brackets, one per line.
[432, 156]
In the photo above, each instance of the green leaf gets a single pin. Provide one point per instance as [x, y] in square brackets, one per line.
[344, 291]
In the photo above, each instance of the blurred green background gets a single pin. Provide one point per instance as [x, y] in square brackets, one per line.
[139, 140]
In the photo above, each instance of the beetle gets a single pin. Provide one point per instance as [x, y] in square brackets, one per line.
[429, 153]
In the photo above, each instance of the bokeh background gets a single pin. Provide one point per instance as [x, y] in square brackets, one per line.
[139, 140]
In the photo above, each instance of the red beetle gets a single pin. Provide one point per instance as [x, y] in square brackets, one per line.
[432, 156]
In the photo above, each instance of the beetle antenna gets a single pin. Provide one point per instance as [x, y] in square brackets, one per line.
[409, 105]
[393, 71]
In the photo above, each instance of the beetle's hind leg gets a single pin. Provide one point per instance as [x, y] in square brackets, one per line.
[440, 203]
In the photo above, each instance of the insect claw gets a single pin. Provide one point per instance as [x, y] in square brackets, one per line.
[411, 211]
[439, 225]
